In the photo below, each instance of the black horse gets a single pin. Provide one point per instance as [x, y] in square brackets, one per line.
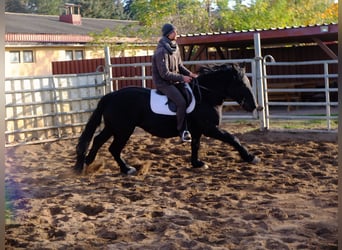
[127, 108]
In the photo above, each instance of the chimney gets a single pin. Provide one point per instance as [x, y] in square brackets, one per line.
[71, 14]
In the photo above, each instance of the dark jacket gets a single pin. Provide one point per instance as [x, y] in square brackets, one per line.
[167, 65]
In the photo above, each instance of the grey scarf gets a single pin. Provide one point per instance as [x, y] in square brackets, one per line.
[170, 46]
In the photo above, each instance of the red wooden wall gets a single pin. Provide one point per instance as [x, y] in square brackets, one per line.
[280, 54]
[91, 65]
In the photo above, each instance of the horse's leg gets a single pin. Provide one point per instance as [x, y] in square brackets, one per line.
[224, 136]
[195, 145]
[98, 141]
[81, 150]
[119, 142]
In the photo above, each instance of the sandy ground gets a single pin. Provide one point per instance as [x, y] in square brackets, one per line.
[288, 201]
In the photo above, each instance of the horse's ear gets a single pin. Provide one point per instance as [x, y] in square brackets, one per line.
[236, 66]
[242, 65]
[240, 68]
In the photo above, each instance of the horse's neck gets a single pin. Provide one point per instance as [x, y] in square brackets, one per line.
[208, 91]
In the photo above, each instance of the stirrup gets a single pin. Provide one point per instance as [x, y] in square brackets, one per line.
[186, 136]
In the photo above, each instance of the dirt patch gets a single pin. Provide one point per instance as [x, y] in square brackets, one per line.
[288, 201]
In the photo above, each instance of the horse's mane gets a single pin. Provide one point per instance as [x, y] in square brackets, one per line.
[204, 70]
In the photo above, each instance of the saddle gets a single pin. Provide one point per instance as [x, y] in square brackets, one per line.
[160, 104]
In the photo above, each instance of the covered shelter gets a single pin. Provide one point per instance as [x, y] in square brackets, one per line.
[289, 43]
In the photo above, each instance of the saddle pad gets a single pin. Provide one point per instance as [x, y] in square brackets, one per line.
[159, 105]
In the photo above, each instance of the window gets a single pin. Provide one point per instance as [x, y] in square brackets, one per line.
[73, 54]
[69, 55]
[79, 54]
[28, 56]
[14, 56]
[25, 56]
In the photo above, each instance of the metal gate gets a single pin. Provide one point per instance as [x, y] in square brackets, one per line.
[40, 109]
[299, 94]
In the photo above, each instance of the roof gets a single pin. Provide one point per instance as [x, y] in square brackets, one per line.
[48, 24]
[21, 27]
[48, 29]
[245, 38]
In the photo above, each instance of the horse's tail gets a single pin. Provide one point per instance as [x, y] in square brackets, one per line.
[87, 134]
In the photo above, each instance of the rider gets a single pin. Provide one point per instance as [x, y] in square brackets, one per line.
[168, 71]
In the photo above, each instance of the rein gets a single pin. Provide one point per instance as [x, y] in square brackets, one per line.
[194, 83]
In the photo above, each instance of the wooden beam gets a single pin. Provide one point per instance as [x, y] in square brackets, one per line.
[199, 52]
[186, 53]
[220, 53]
[325, 48]
[189, 52]
[182, 51]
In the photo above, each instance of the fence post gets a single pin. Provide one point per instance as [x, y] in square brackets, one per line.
[108, 69]
[143, 74]
[264, 75]
[2, 128]
[327, 95]
[259, 79]
[56, 106]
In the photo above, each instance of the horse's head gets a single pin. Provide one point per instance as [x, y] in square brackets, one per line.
[240, 88]
[229, 81]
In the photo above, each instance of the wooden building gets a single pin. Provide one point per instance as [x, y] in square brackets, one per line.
[32, 41]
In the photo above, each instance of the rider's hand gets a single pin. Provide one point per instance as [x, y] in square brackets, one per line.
[193, 75]
[187, 79]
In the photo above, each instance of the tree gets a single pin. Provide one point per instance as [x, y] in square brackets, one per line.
[109, 9]
[187, 16]
[44, 7]
[193, 16]
[127, 8]
[265, 14]
[330, 15]
[119, 11]
[15, 6]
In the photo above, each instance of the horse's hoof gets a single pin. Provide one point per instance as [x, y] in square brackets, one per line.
[200, 164]
[131, 171]
[205, 166]
[78, 169]
[200, 169]
[255, 160]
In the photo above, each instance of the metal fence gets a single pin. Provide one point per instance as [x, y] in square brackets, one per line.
[293, 95]
[40, 109]
[47, 108]
[141, 79]
[309, 96]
